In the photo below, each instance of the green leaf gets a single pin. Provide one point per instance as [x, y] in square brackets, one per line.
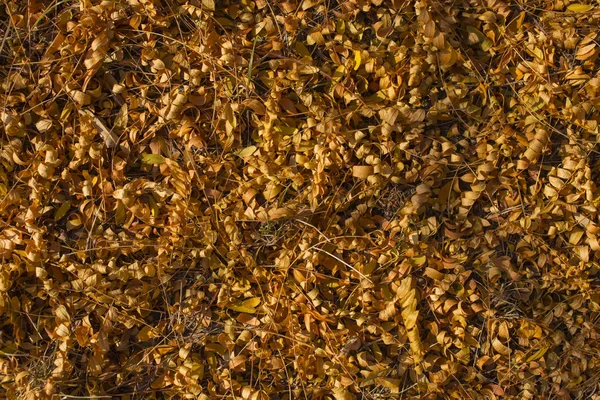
[486, 44]
[377, 353]
[152, 159]
[62, 210]
[477, 33]
[216, 347]
[225, 22]
[286, 130]
[153, 207]
[120, 213]
[301, 49]
[418, 260]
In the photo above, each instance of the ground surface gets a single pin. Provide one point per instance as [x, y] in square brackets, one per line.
[303, 199]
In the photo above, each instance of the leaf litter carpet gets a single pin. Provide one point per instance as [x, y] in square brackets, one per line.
[301, 199]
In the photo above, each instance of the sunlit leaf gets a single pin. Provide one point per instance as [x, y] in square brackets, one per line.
[152, 159]
[580, 8]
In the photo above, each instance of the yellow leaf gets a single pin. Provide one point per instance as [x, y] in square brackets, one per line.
[340, 393]
[159, 383]
[209, 5]
[62, 331]
[272, 190]
[448, 57]
[500, 348]
[184, 352]
[152, 159]
[73, 223]
[121, 118]
[357, 59]
[418, 261]
[315, 38]
[339, 73]
[389, 383]
[44, 125]
[251, 303]
[362, 171]
[241, 308]
[197, 368]
[585, 52]
[238, 362]
[19, 377]
[433, 274]
[410, 316]
[580, 8]
[62, 314]
[247, 151]
[145, 334]
[429, 29]
[538, 354]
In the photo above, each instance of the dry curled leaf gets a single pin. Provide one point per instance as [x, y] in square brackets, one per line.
[299, 199]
